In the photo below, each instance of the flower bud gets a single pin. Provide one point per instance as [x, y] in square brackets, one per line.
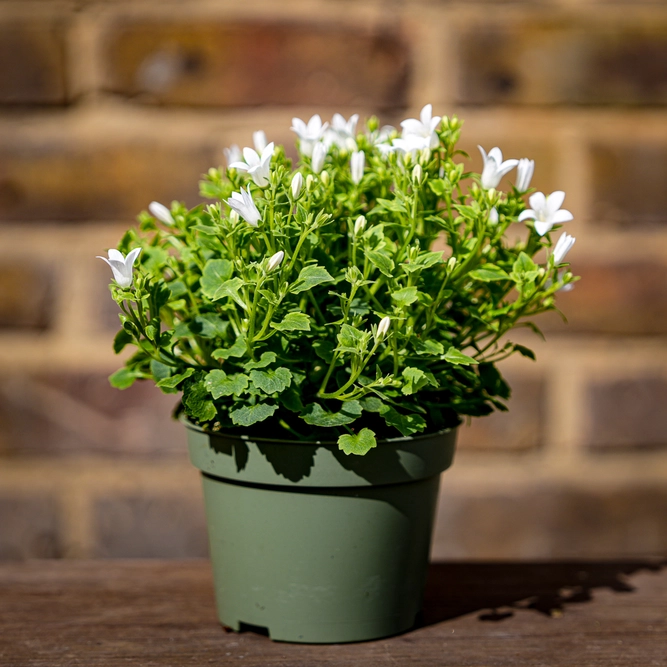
[383, 327]
[233, 216]
[425, 155]
[417, 173]
[161, 212]
[325, 177]
[297, 184]
[275, 260]
[451, 263]
[493, 216]
[359, 225]
[309, 182]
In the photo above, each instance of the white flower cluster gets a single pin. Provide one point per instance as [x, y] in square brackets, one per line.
[418, 137]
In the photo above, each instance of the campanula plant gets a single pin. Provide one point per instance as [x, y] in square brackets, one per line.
[364, 293]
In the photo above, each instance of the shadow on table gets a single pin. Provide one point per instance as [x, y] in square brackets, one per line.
[497, 589]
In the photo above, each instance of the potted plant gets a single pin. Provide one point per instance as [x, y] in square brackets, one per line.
[328, 326]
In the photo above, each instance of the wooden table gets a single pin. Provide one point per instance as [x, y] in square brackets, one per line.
[154, 613]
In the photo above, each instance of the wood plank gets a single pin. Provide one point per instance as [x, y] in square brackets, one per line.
[155, 613]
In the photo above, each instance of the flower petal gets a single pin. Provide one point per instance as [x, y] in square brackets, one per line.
[538, 202]
[131, 257]
[527, 215]
[561, 216]
[116, 254]
[496, 154]
[555, 201]
[250, 156]
[542, 227]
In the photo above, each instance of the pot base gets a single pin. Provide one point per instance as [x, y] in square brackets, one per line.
[317, 565]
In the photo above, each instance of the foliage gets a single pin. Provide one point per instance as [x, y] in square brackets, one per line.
[263, 343]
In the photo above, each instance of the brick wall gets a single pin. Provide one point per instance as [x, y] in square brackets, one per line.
[107, 105]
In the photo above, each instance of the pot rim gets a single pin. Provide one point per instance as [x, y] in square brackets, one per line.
[320, 443]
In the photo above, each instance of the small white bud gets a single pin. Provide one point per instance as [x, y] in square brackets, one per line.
[524, 174]
[564, 245]
[319, 153]
[357, 164]
[425, 155]
[275, 260]
[233, 217]
[309, 182]
[417, 173]
[383, 327]
[451, 263]
[493, 216]
[359, 225]
[259, 140]
[325, 177]
[297, 184]
[161, 212]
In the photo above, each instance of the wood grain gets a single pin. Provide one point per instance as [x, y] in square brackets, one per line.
[159, 613]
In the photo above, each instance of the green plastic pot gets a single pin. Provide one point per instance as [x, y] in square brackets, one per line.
[314, 545]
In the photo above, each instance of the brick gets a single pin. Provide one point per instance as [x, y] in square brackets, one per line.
[77, 413]
[613, 298]
[30, 527]
[520, 429]
[627, 413]
[554, 521]
[26, 296]
[552, 60]
[150, 527]
[628, 184]
[63, 179]
[244, 63]
[32, 54]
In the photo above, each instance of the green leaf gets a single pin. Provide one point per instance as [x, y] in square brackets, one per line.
[291, 399]
[524, 351]
[309, 277]
[453, 356]
[406, 424]
[265, 360]
[216, 272]
[324, 350]
[489, 273]
[169, 385]
[391, 205]
[493, 381]
[315, 415]
[230, 288]
[271, 381]
[124, 378]
[524, 269]
[249, 415]
[415, 379]
[358, 444]
[236, 350]
[428, 347]
[293, 322]
[404, 297]
[197, 402]
[159, 370]
[380, 261]
[122, 339]
[209, 325]
[352, 340]
[427, 259]
[373, 404]
[220, 384]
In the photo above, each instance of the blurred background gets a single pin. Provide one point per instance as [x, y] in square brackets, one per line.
[107, 105]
